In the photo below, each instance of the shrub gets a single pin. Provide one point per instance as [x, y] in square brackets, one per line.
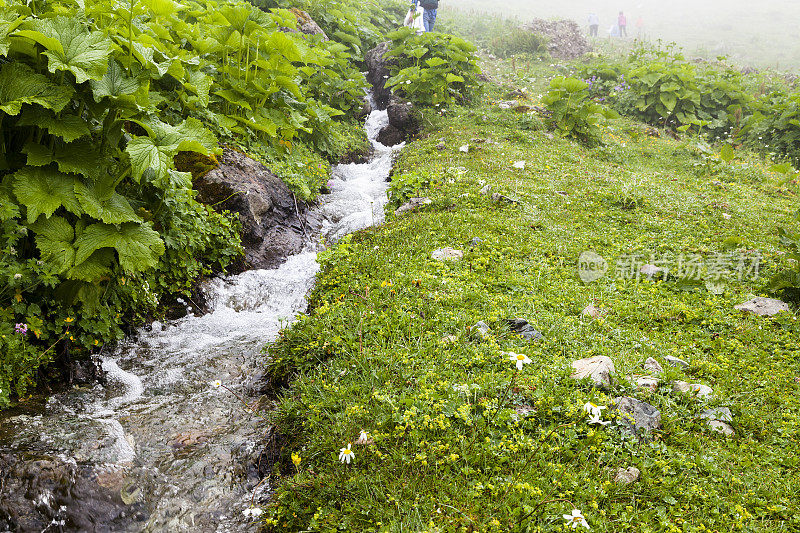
[519, 41]
[788, 281]
[573, 113]
[432, 68]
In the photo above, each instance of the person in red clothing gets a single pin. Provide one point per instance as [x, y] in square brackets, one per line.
[622, 22]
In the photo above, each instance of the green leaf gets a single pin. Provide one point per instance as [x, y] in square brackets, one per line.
[145, 155]
[103, 203]
[42, 190]
[54, 238]
[19, 85]
[727, 153]
[68, 127]
[70, 46]
[137, 245]
[8, 208]
[453, 78]
[669, 100]
[114, 83]
[79, 157]
[95, 267]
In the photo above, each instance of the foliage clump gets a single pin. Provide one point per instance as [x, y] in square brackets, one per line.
[432, 68]
[572, 113]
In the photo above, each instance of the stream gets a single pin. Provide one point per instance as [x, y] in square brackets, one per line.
[183, 454]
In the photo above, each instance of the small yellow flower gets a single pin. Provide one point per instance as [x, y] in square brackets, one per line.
[296, 459]
[69, 320]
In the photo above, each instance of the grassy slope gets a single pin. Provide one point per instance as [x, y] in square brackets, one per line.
[450, 451]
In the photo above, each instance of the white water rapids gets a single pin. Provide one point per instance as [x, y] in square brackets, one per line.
[162, 434]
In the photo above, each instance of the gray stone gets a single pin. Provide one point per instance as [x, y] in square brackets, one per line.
[721, 427]
[598, 369]
[481, 329]
[521, 326]
[644, 382]
[674, 361]
[271, 229]
[497, 197]
[723, 414]
[413, 203]
[637, 416]
[651, 271]
[697, 390]
[447, 254]
[626, 476]
[652, 366]
[594, 312]
[441, 146]
[486, 190]
[378, 66]
[763, 306]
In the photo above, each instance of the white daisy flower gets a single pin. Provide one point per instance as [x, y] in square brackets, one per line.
[346, 454]
[576, 519]
[216, 384]
[519, 359]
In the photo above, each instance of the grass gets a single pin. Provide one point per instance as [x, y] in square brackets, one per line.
[462, 441]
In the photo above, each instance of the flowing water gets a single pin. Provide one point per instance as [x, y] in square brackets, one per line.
[181, 450]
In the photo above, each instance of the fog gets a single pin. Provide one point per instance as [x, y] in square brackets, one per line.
[755, 32]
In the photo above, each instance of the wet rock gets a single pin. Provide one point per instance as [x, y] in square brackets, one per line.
[441, 146]
[626, 476]
[598, 369]
[413, 203]
[652, 366]
[271, 229]
[565, 38]
[480, 329]
[638, 417]
[86, 372]
[39, 492]
[521, 326]
[402, 116]
[644, 382]
[447, 254]
[674, 361]
[365, 109]
[390, 136]
[763, 306]
[378, 72]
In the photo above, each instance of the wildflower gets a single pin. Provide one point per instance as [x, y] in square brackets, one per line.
[346, 454]
[520, 165]
[593, 409]
[216, 383]
[595, 419]
[21, 329]
[576, 519]
[69, 320]
[519, 359]
[17, 276]
[296, 459]
[363, 438]
[253, 512]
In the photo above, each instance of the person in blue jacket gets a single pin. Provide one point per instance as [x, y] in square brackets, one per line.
[430, 7]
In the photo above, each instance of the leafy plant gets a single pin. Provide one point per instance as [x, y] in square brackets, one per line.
[573, 113]
[519, 41]
[788, 281]
[432, 68]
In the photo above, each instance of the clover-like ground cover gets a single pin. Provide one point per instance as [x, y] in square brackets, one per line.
[458, 438]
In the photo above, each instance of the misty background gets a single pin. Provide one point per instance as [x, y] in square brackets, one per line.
[761, 33]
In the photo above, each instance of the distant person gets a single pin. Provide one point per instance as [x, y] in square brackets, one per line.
[429, 15]
[594, 24]
[622, 23]
[415, 19]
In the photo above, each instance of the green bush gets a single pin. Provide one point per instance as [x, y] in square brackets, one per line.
[520, 42]
[573, 113]
[432, 68]
[788, 281]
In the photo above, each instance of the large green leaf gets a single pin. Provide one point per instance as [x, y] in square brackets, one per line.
[68, 127]
[96, 266]
[19, 85]
[42, 190]
[79, 157]
[104, 203]
[137, 245]
[70, 46]
[114, 83]
[669, 100]
[8, 209]
[7, 27]
[54, 238]
[146, 155]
